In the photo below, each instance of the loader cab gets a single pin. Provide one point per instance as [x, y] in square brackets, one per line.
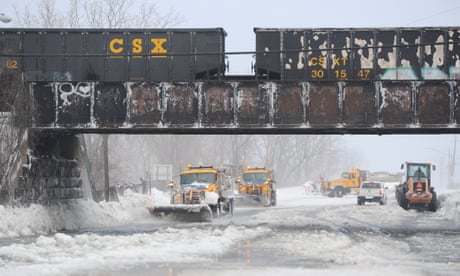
[416, 190]
[417, 170]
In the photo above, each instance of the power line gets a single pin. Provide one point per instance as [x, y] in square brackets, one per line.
[433, 15]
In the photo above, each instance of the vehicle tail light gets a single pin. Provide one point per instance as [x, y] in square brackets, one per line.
[380, 192]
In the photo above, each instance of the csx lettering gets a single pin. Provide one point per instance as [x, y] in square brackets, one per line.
[158, 49]
[117, 46]
[340, 61]
[315, 61]
[137, 46]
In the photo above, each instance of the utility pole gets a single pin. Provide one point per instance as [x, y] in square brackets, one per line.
[105, 149]
[452, 166]
[235, 155]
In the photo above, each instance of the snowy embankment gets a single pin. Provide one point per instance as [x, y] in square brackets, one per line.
[42, 220]
[450, 205]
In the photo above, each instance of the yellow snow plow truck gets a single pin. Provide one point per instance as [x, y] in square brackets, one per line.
[348, 181]
[204, 192]
[415, 191]
[257, 185]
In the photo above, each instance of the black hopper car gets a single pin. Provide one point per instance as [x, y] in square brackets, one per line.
[346, 54]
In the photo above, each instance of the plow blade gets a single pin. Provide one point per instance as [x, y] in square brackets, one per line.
[184, 212]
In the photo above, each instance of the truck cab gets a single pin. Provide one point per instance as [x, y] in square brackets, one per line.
[204, 192]
[258, 184]
[348, 181]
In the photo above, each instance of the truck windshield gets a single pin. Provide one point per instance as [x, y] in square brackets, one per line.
[418, 170]
[255, 177]
[207, 178]
[346, 175]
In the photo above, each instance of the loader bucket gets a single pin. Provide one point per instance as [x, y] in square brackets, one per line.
[184, 212]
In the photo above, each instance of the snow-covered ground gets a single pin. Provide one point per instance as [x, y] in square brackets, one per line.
[304, 233]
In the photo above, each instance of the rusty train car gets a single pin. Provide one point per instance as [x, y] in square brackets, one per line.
[358, 54]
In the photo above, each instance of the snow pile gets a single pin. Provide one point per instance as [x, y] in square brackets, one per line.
[450, 205]
[39, 220]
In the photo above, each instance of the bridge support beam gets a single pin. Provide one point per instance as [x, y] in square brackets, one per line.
[235, 107]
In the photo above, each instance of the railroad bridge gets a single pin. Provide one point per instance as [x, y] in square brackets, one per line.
[70, 88]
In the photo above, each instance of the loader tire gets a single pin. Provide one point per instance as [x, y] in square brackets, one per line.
[403, 201]
[434, 203]
[339, 191]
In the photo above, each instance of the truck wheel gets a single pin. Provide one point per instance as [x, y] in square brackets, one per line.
[215, 210]
[232, 206]
[273, 197]
[338, 191]
[266, 201]
[360, 202]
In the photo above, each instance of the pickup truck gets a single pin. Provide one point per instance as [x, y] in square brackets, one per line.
[370, 191]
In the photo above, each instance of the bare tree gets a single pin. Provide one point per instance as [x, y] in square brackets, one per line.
[96, 14]
[298, 158]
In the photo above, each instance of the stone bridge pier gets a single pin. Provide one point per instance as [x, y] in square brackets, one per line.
[51, 169]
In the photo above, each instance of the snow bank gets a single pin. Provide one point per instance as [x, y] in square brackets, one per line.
[39, 220]
[450, 205]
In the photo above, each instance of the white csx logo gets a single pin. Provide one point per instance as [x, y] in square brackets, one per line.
[156, 49]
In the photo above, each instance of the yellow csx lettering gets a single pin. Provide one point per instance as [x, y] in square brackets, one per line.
[340, 61]
[321, 61]
[116, 46]
[317, 61]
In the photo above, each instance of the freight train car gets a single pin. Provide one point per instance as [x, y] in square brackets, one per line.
[358, 54]
[113, 54]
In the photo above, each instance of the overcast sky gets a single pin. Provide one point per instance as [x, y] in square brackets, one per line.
[239, 17]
